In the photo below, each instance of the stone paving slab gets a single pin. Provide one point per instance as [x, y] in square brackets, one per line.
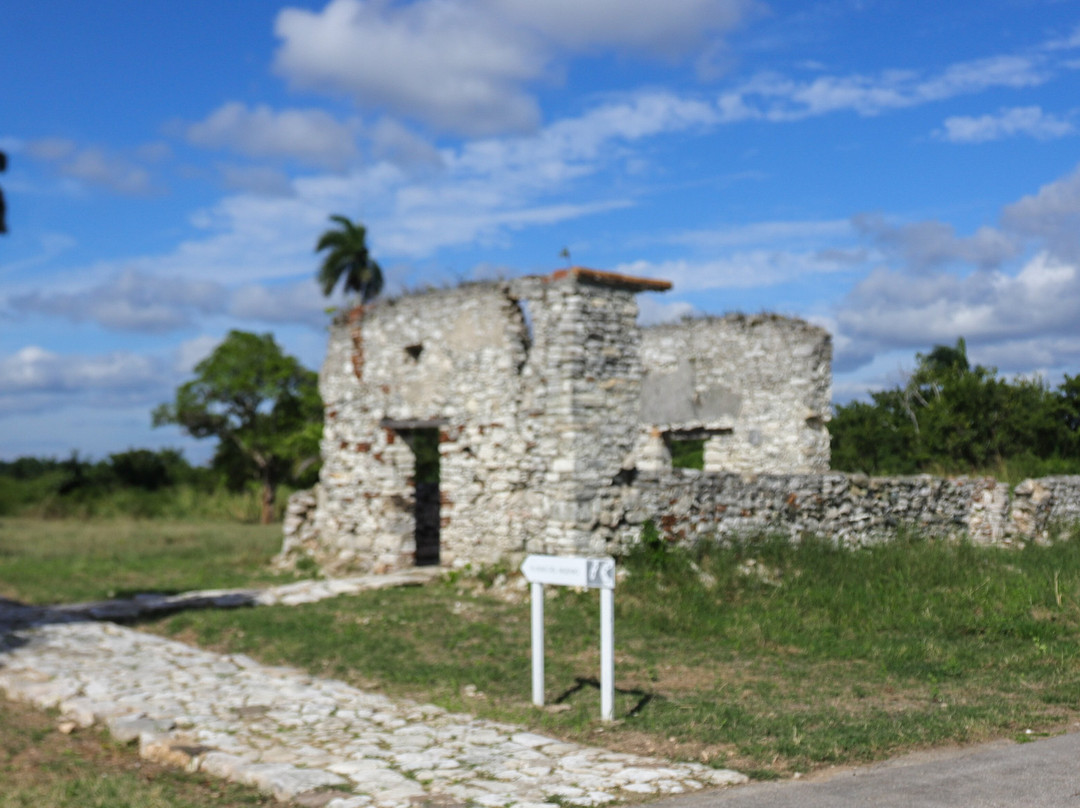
[312, 741]
[150, 605]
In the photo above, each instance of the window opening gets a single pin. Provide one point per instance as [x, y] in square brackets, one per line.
[686, 453]
[687, 446]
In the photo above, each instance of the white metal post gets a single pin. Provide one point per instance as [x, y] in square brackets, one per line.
[537, 591]
[607, 654]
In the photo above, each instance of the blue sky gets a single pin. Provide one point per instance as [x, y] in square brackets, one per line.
[901, 172]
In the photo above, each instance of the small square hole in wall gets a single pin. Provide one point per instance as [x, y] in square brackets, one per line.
[687, 450]
[414, 351]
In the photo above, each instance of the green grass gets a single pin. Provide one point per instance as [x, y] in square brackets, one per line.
[763, 656]
[50, 561]
[40, 498]
[41, 767]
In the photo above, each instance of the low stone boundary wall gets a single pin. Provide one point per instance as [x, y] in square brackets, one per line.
[852, 509]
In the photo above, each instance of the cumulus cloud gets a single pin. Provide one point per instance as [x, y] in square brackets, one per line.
[442, 62]
[930, 244]
[888, 308]
[311, 136]
[392, 141]
[924, 296]
[773, 97]
[466, 67]
[1051, 216]
[91, 165]
[1029, 121]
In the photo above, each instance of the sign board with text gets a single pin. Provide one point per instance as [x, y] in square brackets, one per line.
[594, 573]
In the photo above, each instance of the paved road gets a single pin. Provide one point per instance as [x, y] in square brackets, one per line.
[1039, 774]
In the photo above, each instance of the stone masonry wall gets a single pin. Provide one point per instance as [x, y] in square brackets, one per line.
[758, 389]
[447, 360]
[689, 506]
[533, 386]
[551, 408]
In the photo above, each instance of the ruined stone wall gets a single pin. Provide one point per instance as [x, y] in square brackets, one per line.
[758, 389]
[689, 506]
[550, 407]
[593, 376]
[448, 360]
[533, 385]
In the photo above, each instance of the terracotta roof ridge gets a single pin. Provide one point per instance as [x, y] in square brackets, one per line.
[632, 282]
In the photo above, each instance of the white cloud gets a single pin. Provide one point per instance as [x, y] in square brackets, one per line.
[91, 165]
[429, 227]
[396, 143]
[889, 309]
[1030, 121]
[155, 304]
[939, 286]
[672, 28]
[192, 351]
[773, 97]
[36, 370]
[1052, 216]
[259, 180]
[49, 246]
[574, 147]
[311, 136]
[653, 310]
[296, 303]
[442, 62]
[746, 269]
[465, 66]
[929, 244]
[1065, 43]
[130, 301]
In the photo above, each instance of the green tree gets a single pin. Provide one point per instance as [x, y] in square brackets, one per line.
[348, 258]
[262, 405]
[953, 417]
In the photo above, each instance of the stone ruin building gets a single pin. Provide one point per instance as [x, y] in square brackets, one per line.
[553, 414]
[481, 423]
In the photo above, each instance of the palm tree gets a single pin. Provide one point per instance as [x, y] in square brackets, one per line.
[348, 256]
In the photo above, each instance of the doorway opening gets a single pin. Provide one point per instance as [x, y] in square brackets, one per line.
[424, 443]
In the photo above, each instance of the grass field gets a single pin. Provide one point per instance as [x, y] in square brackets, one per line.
[67, 560]
[41, 767]
[765, 657]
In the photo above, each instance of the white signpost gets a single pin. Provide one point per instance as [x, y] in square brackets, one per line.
[595, 573]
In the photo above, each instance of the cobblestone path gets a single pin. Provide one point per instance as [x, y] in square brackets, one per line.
[313, 741]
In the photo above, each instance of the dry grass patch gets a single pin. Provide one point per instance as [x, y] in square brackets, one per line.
[40, 766]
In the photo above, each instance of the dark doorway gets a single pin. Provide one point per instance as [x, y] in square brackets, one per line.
[425, 446]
